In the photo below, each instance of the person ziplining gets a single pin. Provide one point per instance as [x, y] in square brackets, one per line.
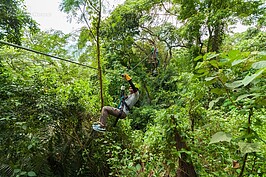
[126, 104]
[154, 59]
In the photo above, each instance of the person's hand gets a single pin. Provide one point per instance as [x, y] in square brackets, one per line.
[126, 76]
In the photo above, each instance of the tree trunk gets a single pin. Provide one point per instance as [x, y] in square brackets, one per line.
[147, 91]
[99, 52]
[185, 167]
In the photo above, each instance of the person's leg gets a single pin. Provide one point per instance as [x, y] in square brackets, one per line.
[106, 110]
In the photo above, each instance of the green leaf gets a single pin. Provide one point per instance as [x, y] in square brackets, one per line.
[130, 164]
[198, 58]
[259, 65]
[32, 173]
[220, 136]
[233, 54]
[249, 79]
[248, 147]
[246, 80]
[24, 127]
[17, 170]
[262, 53]
[218, 91]
[138, 167]
[29, 146]
[206, 72]
[244, 96]
[200, 64]
[209, 78]
[211, 56]
[236, 62]
[202, 70]
[214, 63]
[211, 104]
[23, 173]
[234, 84]
[4, 119]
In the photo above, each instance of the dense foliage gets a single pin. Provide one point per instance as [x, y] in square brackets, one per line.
[203, 96]
[14, 20]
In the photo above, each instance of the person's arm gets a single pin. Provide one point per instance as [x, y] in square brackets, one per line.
[122, 93]
[128, 78]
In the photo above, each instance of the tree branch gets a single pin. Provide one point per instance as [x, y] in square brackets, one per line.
[139, 47]
[166, 10]
[227, 92]
[249, 141]
[87, 23]
[160, 39]
[94, 8]
[81, 145]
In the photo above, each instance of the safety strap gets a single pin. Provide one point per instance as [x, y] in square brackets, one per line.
[127, 107]
[120, 107]
[123, 103]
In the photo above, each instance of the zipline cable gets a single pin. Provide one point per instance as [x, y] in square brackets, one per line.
[59, 58]
[45, 54]
[139, 62]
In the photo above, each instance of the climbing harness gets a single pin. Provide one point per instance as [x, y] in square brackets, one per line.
[121, 105]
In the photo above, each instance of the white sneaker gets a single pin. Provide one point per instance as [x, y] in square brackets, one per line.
[98, 128]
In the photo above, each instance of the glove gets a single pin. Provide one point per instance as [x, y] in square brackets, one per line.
[127, 77]
[123, 87]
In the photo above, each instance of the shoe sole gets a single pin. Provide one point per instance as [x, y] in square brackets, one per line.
[94, 127]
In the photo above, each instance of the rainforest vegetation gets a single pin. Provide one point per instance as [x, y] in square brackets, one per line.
[202, 101]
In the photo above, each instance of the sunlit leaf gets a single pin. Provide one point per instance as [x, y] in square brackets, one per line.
[248, 147]
[211, 56]
[236, 62]
[234, 84]
[198, 58]
[259, 65]
[220, 136]
[211, 104]
[249, 79]
[209, 78]
[262, 53]
[199, 65]
[234, 54]
[214, 63]
[244, 96]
